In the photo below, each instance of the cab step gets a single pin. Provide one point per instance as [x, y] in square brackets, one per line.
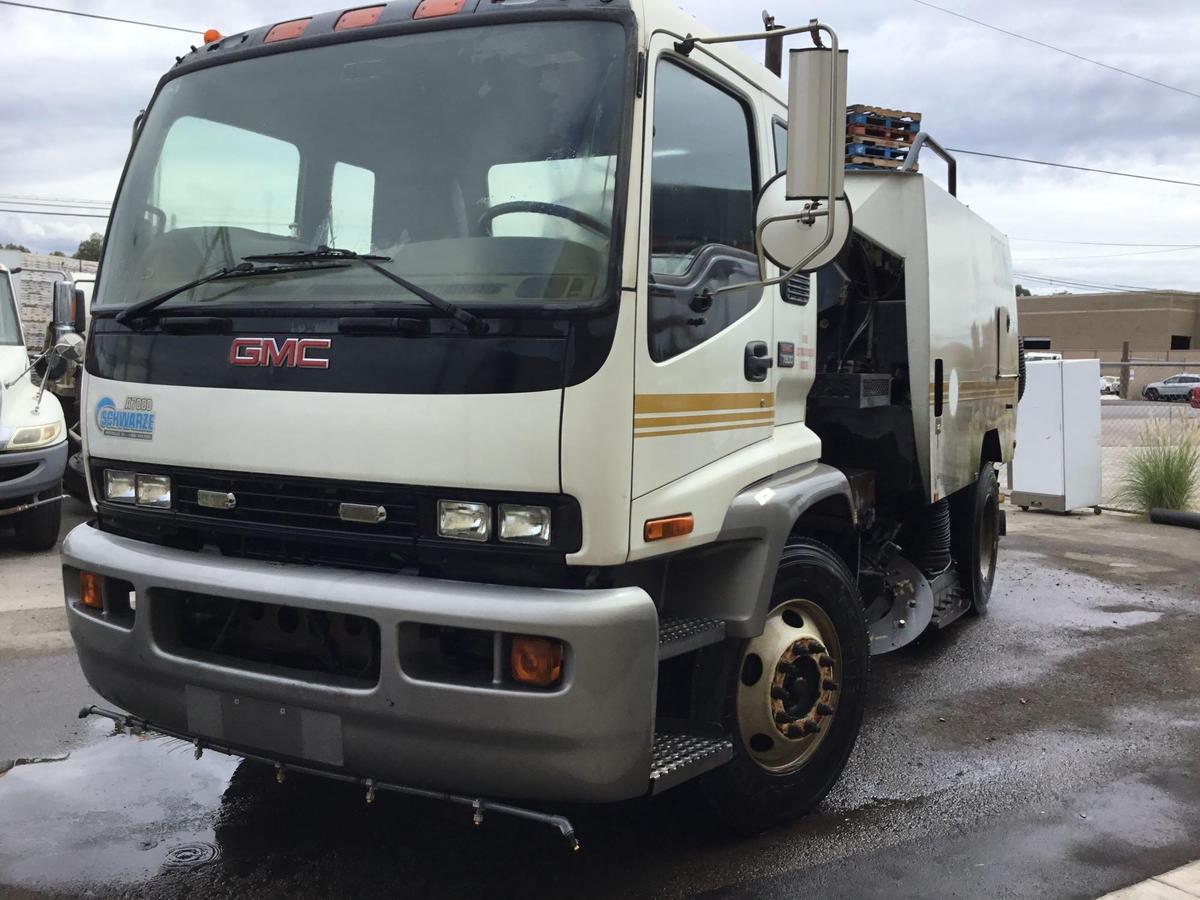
[677, 757]
[678, 635]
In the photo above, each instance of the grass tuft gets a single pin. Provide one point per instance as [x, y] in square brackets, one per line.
[1164, 472]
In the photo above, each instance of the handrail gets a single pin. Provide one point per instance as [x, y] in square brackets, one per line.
[910, 161]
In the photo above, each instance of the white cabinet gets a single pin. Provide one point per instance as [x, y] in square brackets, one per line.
[1057, 461]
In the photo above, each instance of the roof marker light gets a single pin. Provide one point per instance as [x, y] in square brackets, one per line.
[212, 36]
[358, 18]
[286, 31]
[431, 8]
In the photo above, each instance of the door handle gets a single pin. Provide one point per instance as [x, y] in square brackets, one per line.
[758, 361]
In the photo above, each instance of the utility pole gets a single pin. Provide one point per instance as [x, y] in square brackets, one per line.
[1125, 371]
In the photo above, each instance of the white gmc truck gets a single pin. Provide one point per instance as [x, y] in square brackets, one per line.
[519, 400]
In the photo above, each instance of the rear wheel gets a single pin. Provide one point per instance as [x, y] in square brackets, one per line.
[792, 697]
[976, 543]
[37, 528]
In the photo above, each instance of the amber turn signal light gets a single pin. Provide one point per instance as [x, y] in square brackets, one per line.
[536, 661]
[430, 9]
[89, 591]
[212, 36]
[669, 527]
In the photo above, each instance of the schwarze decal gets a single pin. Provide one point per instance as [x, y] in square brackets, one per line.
[134, 420]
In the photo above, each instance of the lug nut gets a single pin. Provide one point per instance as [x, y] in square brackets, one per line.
[816, 647]
[829, 685]
[825, 709]
[826, 661]
[811, 727]
[782, 718]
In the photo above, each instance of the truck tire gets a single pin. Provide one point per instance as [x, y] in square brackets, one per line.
[74, 481]
[37, 528]
[975, 513]
[791, 699]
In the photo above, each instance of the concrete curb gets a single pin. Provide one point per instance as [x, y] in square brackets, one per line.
[1178, 884]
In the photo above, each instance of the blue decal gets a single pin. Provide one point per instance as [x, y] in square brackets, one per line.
[134, 420]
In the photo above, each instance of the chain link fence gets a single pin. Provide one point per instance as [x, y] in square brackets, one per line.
[1127, 425]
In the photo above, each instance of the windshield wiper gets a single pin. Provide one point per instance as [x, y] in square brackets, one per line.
[468, 320]
[143, 308]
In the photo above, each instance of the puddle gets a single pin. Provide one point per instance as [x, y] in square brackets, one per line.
[1117, 562]
[119, 810]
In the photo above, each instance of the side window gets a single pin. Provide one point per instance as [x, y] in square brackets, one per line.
[781, 145]
[703, 190]
[259, 177]
[352, 208]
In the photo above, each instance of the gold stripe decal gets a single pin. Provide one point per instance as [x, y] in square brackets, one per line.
[669, 421]
[651, 434]
[690, 403]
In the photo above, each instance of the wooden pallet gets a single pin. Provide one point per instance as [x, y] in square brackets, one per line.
[884, 121]
[877, 141]
[866, 150]
[879, 131]
[872, 162]
[883, 112]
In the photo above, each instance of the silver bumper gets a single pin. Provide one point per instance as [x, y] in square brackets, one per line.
[589, 740]
[25, 475]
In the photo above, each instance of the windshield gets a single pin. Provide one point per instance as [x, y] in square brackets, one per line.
[10, 325]
[482, 160]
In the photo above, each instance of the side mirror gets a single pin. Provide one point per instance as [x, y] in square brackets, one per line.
[65, 356]
[803, 216]
[65, 307]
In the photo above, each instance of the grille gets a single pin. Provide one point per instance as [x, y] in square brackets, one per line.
[798, 290]
[296, 502]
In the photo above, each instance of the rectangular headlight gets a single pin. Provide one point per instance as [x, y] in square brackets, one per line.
[154, 490]
[525, 524]
[464, 521]
[120, 487]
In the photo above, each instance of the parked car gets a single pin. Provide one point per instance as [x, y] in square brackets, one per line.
[1177, 387]
[1110, 384]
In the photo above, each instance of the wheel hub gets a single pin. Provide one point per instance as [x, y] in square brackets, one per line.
[788, 692]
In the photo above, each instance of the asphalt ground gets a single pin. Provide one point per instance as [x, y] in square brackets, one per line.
[1050, 749]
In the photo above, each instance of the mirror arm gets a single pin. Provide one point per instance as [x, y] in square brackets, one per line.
[830, 216]
[815, 28]
[37, 359]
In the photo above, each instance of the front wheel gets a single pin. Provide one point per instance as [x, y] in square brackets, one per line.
[37, 529]
[1151, 394]
[976, 542]
[792, 698]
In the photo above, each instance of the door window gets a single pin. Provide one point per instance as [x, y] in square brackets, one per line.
[703, 190]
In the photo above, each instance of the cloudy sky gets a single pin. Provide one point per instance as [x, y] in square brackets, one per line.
[70, 87]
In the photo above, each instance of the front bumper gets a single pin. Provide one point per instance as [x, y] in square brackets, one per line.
[24, 475]
[589, 740]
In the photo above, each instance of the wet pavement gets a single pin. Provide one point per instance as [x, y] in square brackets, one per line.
[1050, 749]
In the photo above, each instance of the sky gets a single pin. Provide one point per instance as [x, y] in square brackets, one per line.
[70, 88]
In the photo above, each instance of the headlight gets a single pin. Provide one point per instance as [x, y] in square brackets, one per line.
[154, 490]
[36, 436]
[464, 521]
[120, 487]
[525, 524]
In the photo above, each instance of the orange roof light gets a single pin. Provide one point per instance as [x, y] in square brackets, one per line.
[358, 18]
[536, 661]
[212, 36]
[669, 527]
[286, 31]
[432, 8]
[89, 591]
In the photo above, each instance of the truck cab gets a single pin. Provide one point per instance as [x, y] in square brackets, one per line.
[449, 423]
[33, 438]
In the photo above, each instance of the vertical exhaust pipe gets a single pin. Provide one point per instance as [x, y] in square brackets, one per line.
[774, 59]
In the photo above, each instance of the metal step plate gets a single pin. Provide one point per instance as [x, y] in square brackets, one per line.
[678, 635]
[676, 758]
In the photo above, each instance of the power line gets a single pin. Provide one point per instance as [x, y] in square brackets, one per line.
[1097, 243]
[70, 201]
[1087, 59]
[74, 12]
[55, 204]
[48, 212]
[1109, 255]
[1039, 162]
[1067, 282]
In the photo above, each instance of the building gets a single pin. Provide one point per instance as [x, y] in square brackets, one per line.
[1162, 329]
[35, 287]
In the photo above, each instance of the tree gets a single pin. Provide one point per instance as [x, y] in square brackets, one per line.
[1023, 291]
[58, 253]
[18, 247]
[89, 249]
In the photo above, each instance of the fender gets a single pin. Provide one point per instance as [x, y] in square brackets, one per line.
[732, 579]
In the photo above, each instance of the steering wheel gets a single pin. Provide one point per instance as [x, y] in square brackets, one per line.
[546, 209]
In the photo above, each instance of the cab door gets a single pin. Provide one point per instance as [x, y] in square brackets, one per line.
[704, 377]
